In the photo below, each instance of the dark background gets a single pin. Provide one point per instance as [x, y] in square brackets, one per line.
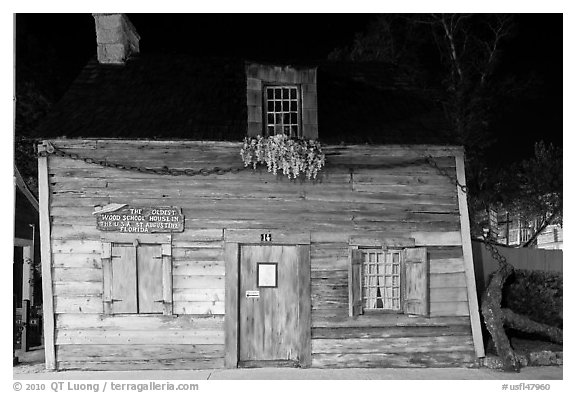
[51, 49]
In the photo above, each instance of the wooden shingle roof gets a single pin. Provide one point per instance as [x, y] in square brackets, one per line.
[185, 97]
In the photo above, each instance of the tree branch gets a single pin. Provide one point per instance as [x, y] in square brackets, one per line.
[543, 226]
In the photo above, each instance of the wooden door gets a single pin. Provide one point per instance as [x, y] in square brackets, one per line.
[269, 328]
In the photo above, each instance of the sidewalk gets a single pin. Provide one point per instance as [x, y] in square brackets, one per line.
[528, 373]
[32, 367]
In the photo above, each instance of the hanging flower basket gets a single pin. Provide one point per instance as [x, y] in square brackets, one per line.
[294, 157]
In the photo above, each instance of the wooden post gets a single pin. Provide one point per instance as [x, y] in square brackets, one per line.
[46, 255]
[468, 260]
[167, 277]
[304, 306]
[231, 260]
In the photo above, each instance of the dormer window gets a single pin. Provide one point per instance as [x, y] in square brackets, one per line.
[281, 100]
[282, 110]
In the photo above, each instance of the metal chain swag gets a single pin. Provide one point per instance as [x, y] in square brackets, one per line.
[53, 150]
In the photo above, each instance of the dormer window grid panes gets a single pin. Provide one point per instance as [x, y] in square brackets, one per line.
[282, 110]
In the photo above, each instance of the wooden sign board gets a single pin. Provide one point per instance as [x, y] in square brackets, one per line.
[141, 220]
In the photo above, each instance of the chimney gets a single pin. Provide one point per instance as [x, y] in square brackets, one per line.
[116, 37]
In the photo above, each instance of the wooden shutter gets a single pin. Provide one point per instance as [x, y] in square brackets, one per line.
[417, 299]
[106, 258]
[355, 283]
[167, 278]
[123, 280]
[150, 293]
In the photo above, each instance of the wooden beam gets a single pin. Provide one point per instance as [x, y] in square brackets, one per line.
[437, 238]
[106, 258]
[231, 258]
[372, 241]
[46, 255]
[167, 278]
[304, 306]
[468, 260]
[266, 236]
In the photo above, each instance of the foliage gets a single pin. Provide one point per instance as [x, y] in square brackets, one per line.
[26, 161]
[533, 188]
[293, 156]
[536, 294]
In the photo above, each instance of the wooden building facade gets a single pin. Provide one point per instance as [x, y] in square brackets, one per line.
[370, 265]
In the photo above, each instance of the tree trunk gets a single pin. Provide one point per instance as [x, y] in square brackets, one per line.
[526, 325]
[494, 318]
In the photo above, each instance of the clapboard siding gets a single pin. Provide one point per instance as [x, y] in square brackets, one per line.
[390, 193]
[95, 341]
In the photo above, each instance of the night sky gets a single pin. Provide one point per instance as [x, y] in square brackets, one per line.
[69, 40]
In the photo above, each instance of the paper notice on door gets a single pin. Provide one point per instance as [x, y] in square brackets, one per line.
[252, 294]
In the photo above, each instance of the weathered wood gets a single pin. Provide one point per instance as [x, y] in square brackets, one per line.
[78, 304]
[383, 360]
[355, 283]
[76, 274]
[416, 299]
[107, 293]
[390, 332]
[369, 241]
[468, 260]
[269, 325]
[124, 280]
[140, 337]
[76, 246]
[78, 288]
[199, 307]
[129, 353]
[151, 238]
[304, 307]
[198, 254]
[448, 265]
[400, 345]
[448, 294]
[450, 308]
[204, 268]
[264, 237]
[411, 200]
[448, 280]
[142, 365]
[330, 318]
[199, 282]
[150, 279]
[77, 260]
[198, 295]
[231, 257]
[131, 322]
[167, 289]
[46, 257]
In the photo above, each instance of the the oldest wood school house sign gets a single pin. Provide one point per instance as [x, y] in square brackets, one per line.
[368, 265]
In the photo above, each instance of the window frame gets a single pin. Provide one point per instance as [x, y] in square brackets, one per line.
[386, 251]
[265, 112]
[415, 290]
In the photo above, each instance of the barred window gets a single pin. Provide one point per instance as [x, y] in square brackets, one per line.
[389, 280]
[282, 110]
[381, 280]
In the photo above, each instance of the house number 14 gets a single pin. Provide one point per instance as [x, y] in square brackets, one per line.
[265, 237]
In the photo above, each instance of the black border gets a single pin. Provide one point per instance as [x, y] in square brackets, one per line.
[275, 264]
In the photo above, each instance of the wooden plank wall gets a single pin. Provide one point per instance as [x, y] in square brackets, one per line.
[396, 199]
